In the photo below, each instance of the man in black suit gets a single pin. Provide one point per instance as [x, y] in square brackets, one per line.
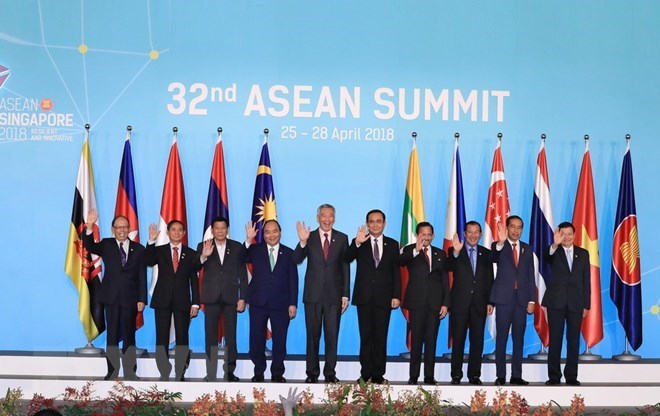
[176, 294]
[568, 300]
[123, 291]
[327, 289]
[470, 291]
[514, 296]
[376, 292]
[426, 298]
[223, 292]
[272, 295]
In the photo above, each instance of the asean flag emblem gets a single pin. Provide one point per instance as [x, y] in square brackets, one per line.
[46, 104]
[625, 258]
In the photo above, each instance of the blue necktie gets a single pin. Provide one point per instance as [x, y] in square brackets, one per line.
[473, 260]
[122, 253]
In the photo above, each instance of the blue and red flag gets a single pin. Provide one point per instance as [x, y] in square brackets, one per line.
[625, 280]
[263, 203]
[541, 235]
[126, 204]
[217, 205]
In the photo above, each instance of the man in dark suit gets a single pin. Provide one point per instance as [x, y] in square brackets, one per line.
[426, 298]
[470, 292]
[327, 289]
[123, 291]
[272, 294]
[223, 292]
[514, 296]
[376, 292]
[568, 300]
[175, 295]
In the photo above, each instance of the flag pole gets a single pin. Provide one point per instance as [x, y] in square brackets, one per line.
[223, 346]
[587, 355]
[268, 352]
[88, 349]
[626, 355]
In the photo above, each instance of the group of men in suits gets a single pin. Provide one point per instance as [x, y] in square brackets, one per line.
[272, 295]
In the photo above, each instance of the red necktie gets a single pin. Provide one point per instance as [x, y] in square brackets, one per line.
[175, 258]
[426, 256]
[515, 262]
[326, 247]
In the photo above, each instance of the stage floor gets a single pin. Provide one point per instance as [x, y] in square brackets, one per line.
[605, 383]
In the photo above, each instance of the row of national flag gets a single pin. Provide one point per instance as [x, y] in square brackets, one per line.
[84, 269]
[625, 281]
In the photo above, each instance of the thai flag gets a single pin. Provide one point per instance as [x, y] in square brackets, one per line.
[540, 237]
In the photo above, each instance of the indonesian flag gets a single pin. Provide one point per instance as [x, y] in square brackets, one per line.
[83, 267]
[541, 235]
[126, 204]
[497, 211]
[455, 219]
[217, 205]
[586, 236]
[413, 214]
[626, 276]
[172, 207]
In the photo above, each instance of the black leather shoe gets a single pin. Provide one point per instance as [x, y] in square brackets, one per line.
[378, 380]
[362, 380]
[518, 381]
[111, 376]
[331, 379]
[455, 380]
[211, 379]
[278, 379]
[311, 380]
[163, 378]
[552, 382]
[180, 378]
[475, 380]
[573, 382]
[430, 381]
[500, 381]
[230, 377]
[258, 378]
[132, 377]
[412, 381]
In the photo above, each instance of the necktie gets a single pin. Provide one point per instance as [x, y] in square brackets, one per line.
[473, 260]
[426, 256]
[515, 255]
[271, 258]
[376, 253]
[569, 258]
[175, 258]
[326, 246]
[122, 253]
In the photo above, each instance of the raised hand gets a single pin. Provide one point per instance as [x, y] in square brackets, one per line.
[303, 232]
[501, 233]
[456, 243]
[92, 217]
[207, 248]
[419, 244]
[362, 234]
[153, 232]
[557, 238]
[250, 231]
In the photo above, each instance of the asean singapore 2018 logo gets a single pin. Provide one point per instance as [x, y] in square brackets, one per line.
[30, 119]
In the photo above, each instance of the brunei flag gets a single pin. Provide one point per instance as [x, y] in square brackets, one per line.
[126, 204]
[263, 203]
[586, 236]
[413, 214]
[84, 268]
[217, 205]
[626, 277]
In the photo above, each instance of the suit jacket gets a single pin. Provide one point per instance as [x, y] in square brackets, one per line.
[180, 289]
[125, 285]
[470, 288]
[568, 288]
[326, 281]
[226, 281]
[276, 289]
[426, 289]
[376, 285]
[508, 274]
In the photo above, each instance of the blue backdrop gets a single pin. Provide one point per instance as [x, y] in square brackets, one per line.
[315, 73]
